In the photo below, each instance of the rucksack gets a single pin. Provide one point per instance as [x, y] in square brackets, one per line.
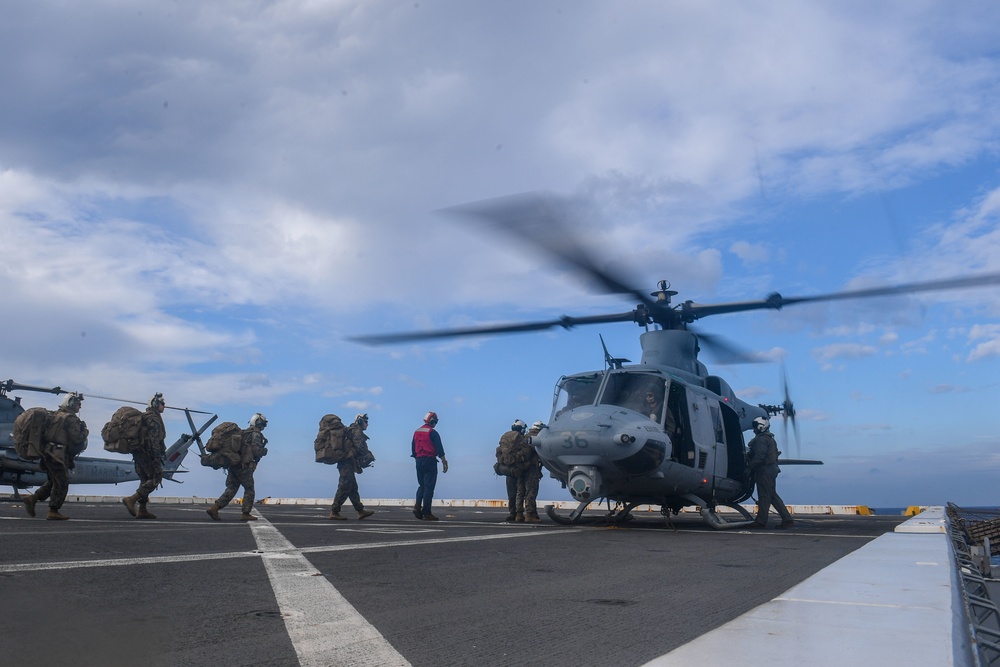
[29, 433]
[68, 430]
[224, 446]
[332, 443]
[123, 432]
[512, 458]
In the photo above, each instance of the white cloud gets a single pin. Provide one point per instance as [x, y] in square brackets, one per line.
[828, 353]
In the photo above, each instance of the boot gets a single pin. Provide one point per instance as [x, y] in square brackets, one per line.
[532, 517]
[335, 515]
[29, 504]
[418, 511]
[510, 518]
[430, 517]
[213, 512]
[130, 503]
[54, 515]
[364, 513]
[143, 513]
[519, 517]
[787, 523]
[246, 516]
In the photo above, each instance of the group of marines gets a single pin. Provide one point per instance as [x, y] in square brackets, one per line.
[150, 448]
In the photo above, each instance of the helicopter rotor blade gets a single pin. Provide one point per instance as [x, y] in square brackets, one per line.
[545, 221]
[10, 385]
[691, 311]
[566, 322]
[789, 411]
[726, 351]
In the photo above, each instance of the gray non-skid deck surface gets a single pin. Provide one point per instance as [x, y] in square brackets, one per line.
[106, 589]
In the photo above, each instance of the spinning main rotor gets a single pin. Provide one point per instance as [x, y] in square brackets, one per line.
[544, 221]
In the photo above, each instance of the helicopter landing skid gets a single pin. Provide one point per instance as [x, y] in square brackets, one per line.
[718, 523]
[742, 510]
[574, 517]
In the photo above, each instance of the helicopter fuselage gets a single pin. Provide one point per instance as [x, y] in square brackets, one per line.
[662, 432]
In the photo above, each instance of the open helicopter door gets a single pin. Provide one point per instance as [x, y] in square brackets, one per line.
[718, 444]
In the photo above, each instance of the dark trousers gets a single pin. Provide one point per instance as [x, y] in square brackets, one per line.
[767, 495]
[427, 474]
[236, 477]
[511, 494]
[149, 468]
[57, 485]
[347, 488]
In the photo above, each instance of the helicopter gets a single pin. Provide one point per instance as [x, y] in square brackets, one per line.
[664, 432]
[20, 473]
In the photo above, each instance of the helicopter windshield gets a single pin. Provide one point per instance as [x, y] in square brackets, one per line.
[642, 392]
[572, 392]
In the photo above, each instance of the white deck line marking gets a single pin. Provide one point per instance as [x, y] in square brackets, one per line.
[323, 626]
[186, 558]
[116, 562]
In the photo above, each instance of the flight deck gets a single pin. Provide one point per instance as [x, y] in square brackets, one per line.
[296, 588]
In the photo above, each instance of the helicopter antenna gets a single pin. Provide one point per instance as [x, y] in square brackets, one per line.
[609, 361]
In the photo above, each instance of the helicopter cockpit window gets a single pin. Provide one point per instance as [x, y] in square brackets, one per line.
[572, 392]
[641, 392]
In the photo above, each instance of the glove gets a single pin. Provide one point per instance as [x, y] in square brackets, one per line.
[444, 464]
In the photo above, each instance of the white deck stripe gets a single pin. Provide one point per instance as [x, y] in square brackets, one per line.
[186, 558]
[323, 626]
[116, 562]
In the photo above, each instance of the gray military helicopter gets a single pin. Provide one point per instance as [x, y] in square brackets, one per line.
[22, 474]
[664, 431]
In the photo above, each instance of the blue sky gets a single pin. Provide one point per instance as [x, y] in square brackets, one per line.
[206, 199]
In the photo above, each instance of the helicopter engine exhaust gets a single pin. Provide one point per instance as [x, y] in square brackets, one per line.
[584, 482]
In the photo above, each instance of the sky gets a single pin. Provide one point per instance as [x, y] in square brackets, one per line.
[208, 199]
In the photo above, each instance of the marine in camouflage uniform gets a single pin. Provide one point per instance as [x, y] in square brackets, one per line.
[57, 457]
[524, 481]
[534, 477]
[347, 488]
[148, 458]
[252, 449]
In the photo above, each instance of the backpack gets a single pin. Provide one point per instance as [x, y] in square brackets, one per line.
[511, 457]
[122, 434]
[67, 430]
[224, 446]
[332, 441]
[29, 433]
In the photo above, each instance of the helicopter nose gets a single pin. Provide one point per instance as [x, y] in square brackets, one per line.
[584, 482]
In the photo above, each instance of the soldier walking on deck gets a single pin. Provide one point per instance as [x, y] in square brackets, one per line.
[148, 458]
[762, 463]
[353, 463]
[65, 438]
[253, 447]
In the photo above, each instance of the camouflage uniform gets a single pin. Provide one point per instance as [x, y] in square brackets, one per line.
[348, 467]
[534, 478]
[148, 457]
[252, 450]
[57, 460]
[524, 482]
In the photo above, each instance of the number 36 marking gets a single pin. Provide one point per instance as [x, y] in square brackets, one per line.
[571, 440]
